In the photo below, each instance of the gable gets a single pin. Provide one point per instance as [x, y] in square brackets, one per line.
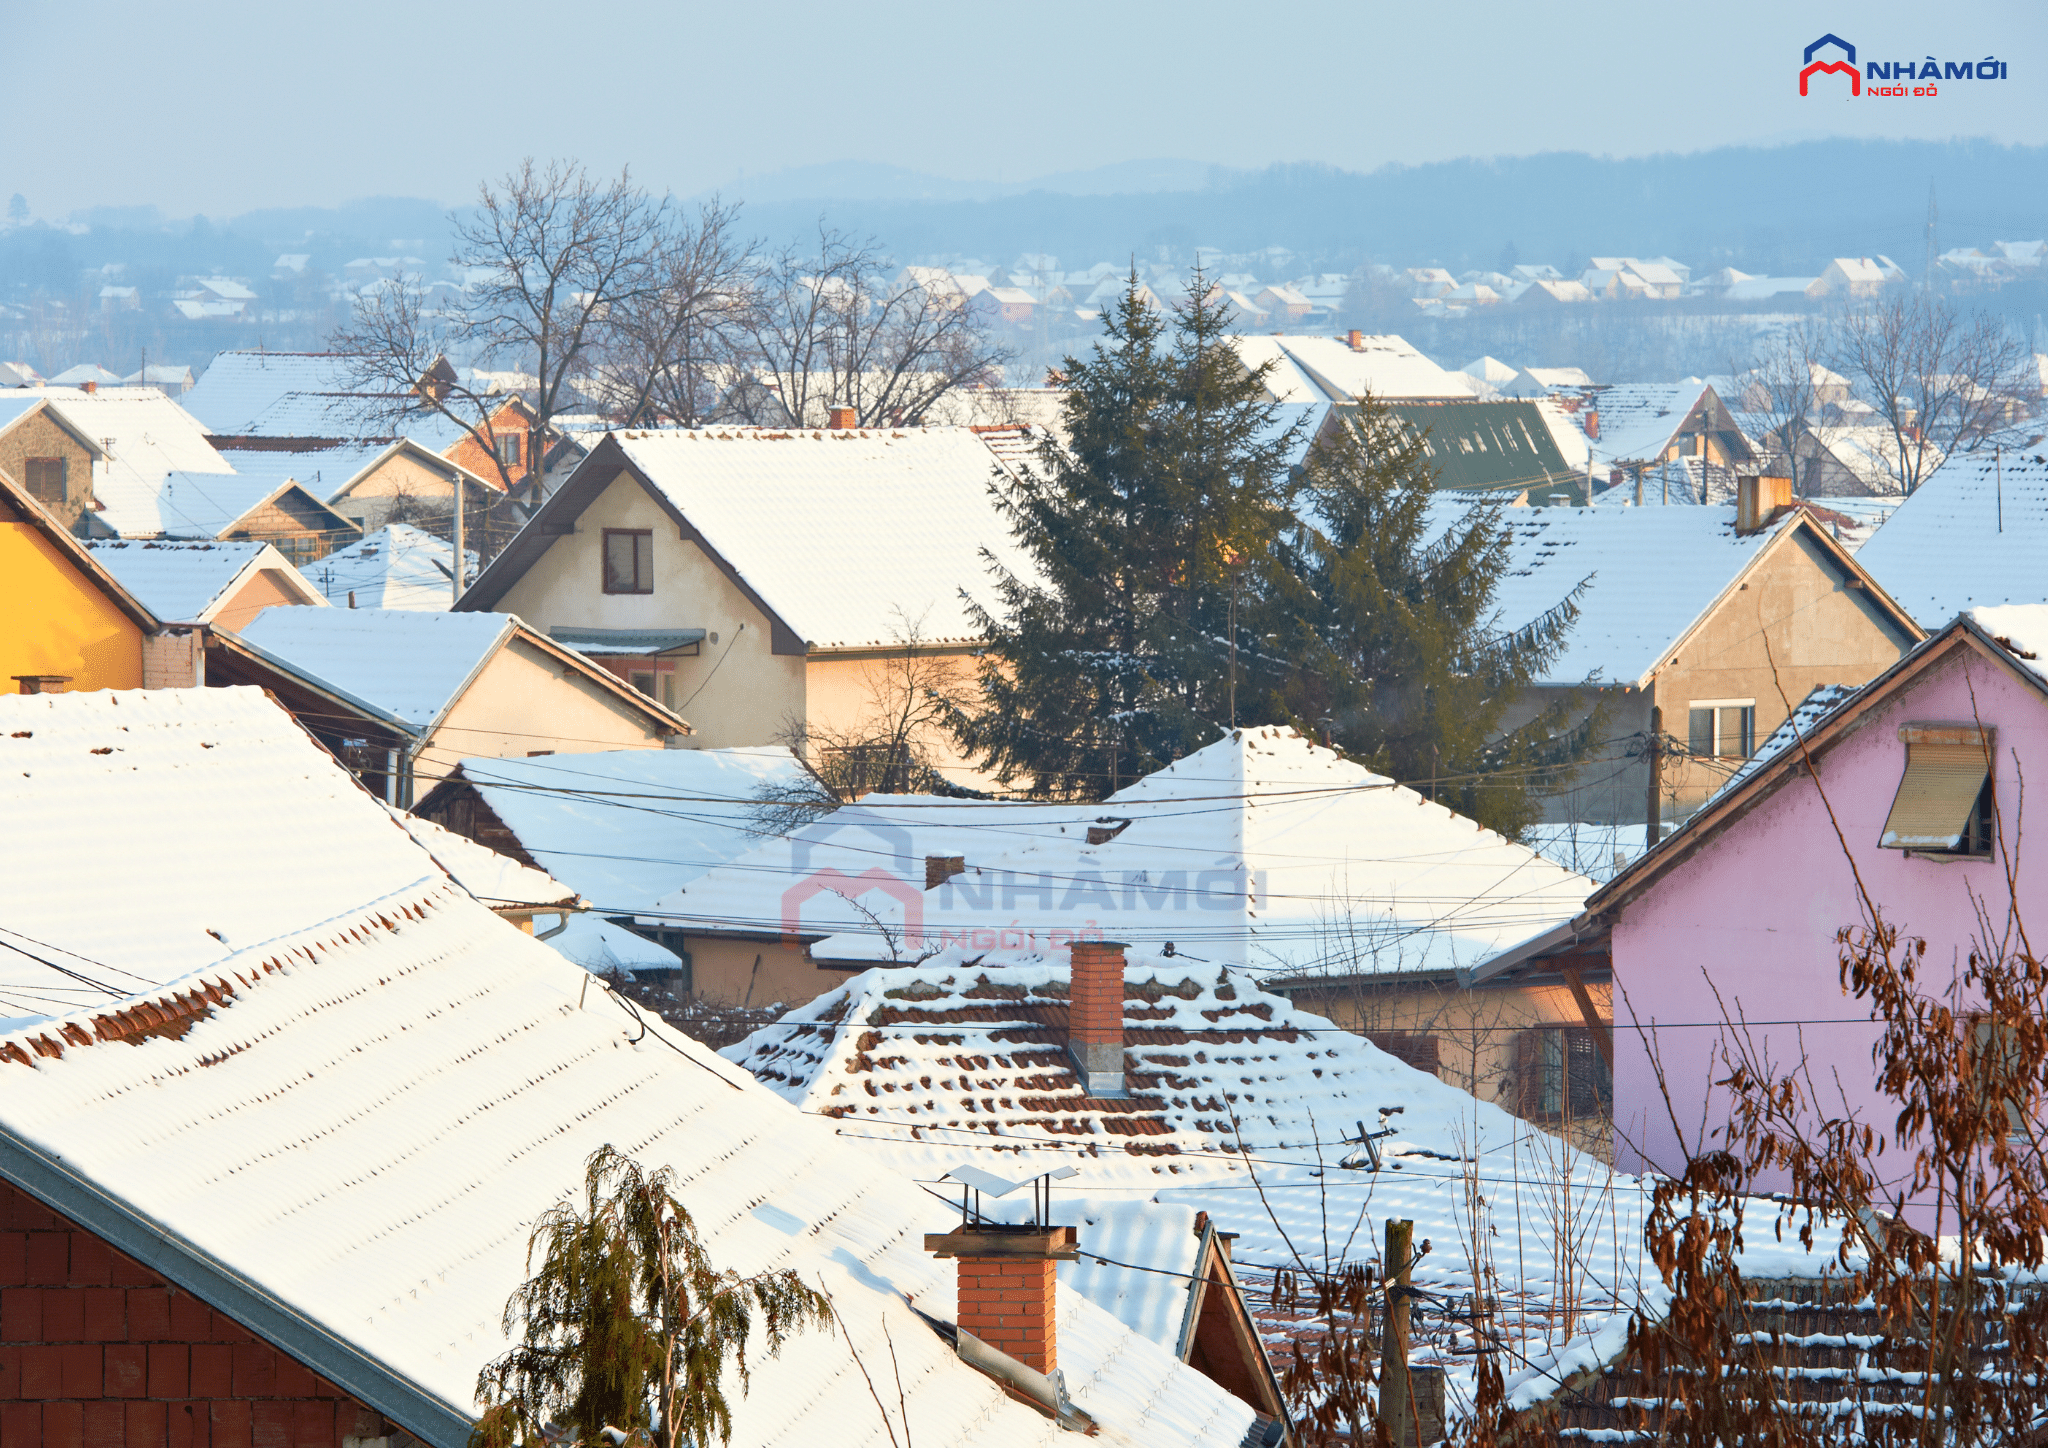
[55, 616]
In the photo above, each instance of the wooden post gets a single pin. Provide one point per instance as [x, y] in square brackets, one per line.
[1653, 802]
[1397, 1393]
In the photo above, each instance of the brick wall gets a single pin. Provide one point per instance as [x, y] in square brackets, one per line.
[98, 1351]
[1096, 998]
[1007, 1302]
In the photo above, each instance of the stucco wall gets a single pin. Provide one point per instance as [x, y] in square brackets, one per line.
[1747, 925]
[53, 622]
[754, 693]
[845, 693]
[370, 501]
[259, 591]
[37, 436]
[523, 702]
[723, 972]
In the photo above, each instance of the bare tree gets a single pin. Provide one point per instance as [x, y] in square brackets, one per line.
[831, 330]
[1781, 391]
[675, 346]
[1942, 380]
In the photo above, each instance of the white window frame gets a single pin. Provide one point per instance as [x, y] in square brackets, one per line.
[1717, 705]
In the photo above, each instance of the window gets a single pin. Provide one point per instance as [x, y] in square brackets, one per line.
[1722, 728]
[628, 560]
[1560, 1075]
[46, 480]
[643, 680]
[507, 448]
[1944, 805]
[2000, 1068]
[1411, 1050]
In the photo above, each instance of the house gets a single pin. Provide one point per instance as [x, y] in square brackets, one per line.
[86, 375]
[1012, 306]
[1851, 276]
[46, 452]
[765, 579]
[397, 566]
[1772, 289]
[226, 584]
[625, 827]
[1491, 370]
[1334, 369]
[466, 684]
[1972, 535]
[1907, 793]
[1695, 633]
[361, 1092]
[1504, 448]
[1634, 425]
[66, 622]
[370, 482]
[1553, 293]
[169, 380]
[1849, 460]
[1283, 302]
[19, 374]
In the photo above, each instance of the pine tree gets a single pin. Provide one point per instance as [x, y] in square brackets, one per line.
[1387, 615]
[1168, 498]
[627, 1324]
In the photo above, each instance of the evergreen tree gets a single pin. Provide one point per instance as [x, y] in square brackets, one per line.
[1387, 615]
[1162, 508]
[627, 1324]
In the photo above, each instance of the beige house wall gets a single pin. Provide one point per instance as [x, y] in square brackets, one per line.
[370, 499]
[729, 972]
[1476, 1032]
[260, 590]
[523, 702]
[845, 692]
[754, 694]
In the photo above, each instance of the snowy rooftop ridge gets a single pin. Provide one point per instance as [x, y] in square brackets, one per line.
[183, 582]
[410, 662]
[1973, 534]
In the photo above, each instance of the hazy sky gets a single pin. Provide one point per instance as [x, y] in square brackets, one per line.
[227, 105]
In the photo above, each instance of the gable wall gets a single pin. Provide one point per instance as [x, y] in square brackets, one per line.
[755, 691]
[370, 501]
[53, 620]
[522, 702]
[300, 530]
[260, 590]
[465, 452]
[97, 1349]
[37, 436]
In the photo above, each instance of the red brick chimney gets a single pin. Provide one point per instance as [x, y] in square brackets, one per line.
[1357, 340]
[88, 387]
[841, 418]
[1593, 423]
[1095, 1015]
[1007, 1282]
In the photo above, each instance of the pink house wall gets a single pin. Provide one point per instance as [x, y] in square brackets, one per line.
[1745, 928]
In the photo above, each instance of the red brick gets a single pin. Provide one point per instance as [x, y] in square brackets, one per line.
[191, 1319]
[270, 1424]
[62, 1425]
[82, 1372]
[230, 1424]
[149, 1314]
[21, 1423]
[226, 1329]
[105, 1426]
[169, 1370]
[42, 1371]
[313, 1425]
[146, 1425]
[125, 1271]
[127, 1369]
[13, 1258]
[213, 1370]
[186, 1425]
[255, 1370]
[21, 1315]
[63, 1316]
[92, 1261]
[294, 1379]
[106, 1313]
[48, 1259]
[23, 1213]
[10, 1379]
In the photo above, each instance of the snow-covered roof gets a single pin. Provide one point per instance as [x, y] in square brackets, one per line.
[185, 582]
[1560, 376]
[413, 663]
[366, 1118]
[1490, 369]
[86, 372]
[1857, 269]
[1752, 289]
[1651, 573]
[1386, 366]
[628, 826]
[322, 471]
[398, 566]
[350, 415]
[1975, 533]
[154, 833]
[1638, 419]
[2022, 628]
[499, 881]
[239, 386]
[1262, 851]
[848, 536]
[1599, 852]
[153, 447]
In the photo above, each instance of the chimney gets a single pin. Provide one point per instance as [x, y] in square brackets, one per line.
[1759, 499]
[88, 387]
[1357, 341]
[938, 869]
[839, 419]
[1095, 1016]
[1593, 423]
[1007, 1284]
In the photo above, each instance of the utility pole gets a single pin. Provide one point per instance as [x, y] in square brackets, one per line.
[455, 574]
[1397, 1393]
[1653, 794]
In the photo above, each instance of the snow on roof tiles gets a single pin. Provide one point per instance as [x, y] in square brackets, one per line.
[851, 537]
[496, 880]
[153, 833]
[1946, 548]
[2022, 629]
[1637, 419]
[239, 386]
[628, 826]
[1820, 701]
[404, 660]
[1387, 366]
[398, 566]
[161, 476]
[368, 1121]
[180, 581]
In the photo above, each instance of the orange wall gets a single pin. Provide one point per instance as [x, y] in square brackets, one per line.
[55, 621]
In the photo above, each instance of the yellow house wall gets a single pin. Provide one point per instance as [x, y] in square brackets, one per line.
[845, 691]
[53, 621]
[1476, 1033]
[523, 702]
[724, 972]
[754, 696]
